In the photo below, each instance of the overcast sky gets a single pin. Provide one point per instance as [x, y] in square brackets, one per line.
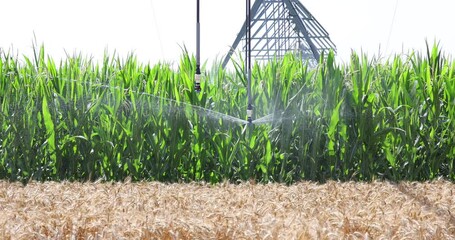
[155, 30]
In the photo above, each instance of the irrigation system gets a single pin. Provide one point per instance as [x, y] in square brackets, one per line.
[272, 29]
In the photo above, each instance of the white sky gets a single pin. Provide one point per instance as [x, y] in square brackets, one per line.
[155, 29]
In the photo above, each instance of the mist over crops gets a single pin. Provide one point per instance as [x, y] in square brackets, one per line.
[364, 120]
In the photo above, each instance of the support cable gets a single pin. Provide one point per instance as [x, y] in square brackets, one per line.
[157, 28]
[391, 26]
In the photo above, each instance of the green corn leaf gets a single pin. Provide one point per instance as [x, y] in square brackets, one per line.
[50, 131]
[334, 120]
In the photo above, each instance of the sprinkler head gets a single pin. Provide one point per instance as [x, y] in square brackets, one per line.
[197, 82]
[249, 113]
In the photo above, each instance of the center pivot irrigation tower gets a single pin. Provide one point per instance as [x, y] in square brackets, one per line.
[279, 27]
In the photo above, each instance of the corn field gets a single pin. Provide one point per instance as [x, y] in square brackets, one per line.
[368, 119]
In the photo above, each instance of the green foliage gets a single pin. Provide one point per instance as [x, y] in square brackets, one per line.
[365, 120]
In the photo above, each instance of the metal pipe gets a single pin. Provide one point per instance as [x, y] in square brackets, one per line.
[197, 76]
[249, 111]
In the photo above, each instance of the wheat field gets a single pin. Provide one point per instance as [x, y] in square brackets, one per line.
[152, 210]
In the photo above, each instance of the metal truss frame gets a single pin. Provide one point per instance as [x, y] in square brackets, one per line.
[282, 26]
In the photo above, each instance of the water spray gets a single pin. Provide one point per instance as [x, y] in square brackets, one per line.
[197, 75]
[249, 110]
